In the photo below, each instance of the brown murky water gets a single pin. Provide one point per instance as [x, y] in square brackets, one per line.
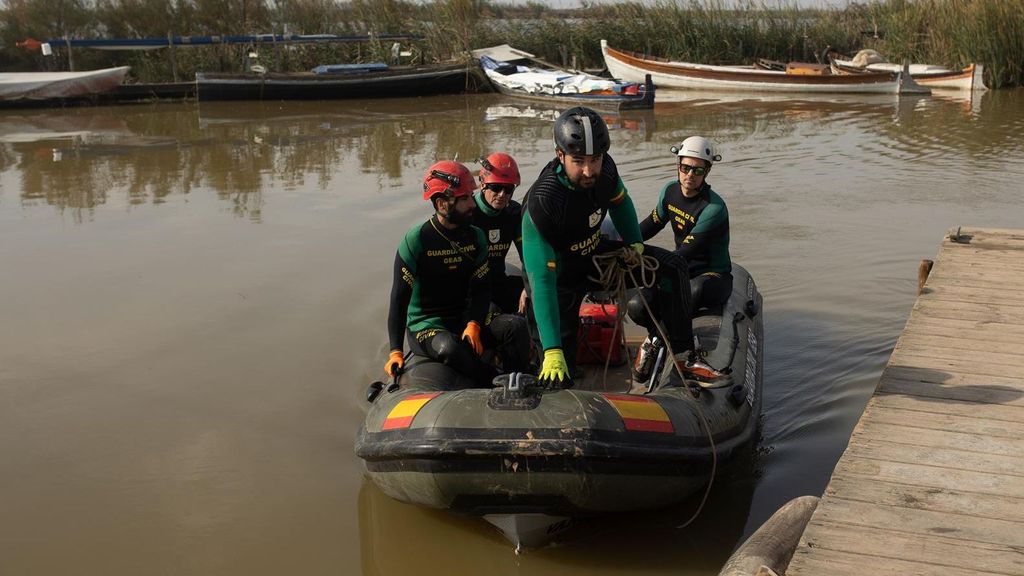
[193, 299]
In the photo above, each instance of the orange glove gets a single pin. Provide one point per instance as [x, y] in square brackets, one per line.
[472, 335]
[396, 361]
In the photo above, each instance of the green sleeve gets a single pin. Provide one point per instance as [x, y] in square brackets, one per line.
[657, 219]
[410, 248]
[540, 265]
[711, 217]
[624, 217]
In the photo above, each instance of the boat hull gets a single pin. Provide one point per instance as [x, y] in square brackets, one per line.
[968, 79]
[568, 453]
[681, 75]
[15, 86]
[418, 81]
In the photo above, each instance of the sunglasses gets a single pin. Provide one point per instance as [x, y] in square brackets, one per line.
[697, 170]
[500, 188]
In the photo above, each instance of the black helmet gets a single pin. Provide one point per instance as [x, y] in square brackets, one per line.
[580, 131]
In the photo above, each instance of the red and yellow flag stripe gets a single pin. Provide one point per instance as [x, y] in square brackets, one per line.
[402, 414]
[640, 413]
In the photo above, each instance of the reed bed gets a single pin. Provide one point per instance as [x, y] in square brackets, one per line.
[949, 32]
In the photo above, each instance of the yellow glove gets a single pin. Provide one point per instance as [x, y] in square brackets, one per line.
[554, 369]
[472, 335]
[639, 247]
[396, 361]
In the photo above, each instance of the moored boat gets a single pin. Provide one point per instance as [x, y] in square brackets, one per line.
[683, 75]
[521, 74]
[16, 86]
[530, 459]
[969, 78]
[379, 81]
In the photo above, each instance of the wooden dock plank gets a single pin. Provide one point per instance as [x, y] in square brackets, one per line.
[933, 499]
[956, 389]
[963, 527]
[939, 553]
[932, 481]
[809, 561]
[938, 457]
[944, 426]
[967, 481]
[907, 400]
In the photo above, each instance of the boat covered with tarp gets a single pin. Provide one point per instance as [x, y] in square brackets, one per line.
[529, 459]
[520, 74]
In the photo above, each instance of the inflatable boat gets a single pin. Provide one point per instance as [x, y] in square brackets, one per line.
[529, 459]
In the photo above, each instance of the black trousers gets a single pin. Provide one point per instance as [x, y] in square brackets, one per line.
[506, 292]
[449, 349]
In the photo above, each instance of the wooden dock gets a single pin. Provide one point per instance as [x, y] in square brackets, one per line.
[932, 481]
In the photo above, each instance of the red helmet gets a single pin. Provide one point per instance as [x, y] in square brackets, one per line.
[499, 168]
[449, 178]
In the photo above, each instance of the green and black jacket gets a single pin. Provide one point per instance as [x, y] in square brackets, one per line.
[503, 229]
[562, 231]
[440, 280]
[700, 226]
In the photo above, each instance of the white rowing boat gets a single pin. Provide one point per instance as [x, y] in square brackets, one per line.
[49, 85]
[669, 74]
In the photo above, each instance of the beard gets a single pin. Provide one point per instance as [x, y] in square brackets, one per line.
[460, 218]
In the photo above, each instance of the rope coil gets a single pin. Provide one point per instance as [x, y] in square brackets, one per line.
[612, 270]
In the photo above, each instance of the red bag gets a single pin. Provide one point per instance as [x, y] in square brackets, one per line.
[597, 324]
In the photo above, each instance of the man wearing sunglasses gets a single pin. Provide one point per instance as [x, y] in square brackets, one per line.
[440, 286]
[562, 217]
[700, 224]
[501, 219]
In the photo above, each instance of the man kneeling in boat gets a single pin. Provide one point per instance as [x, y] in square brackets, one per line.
[562, 220]
[440, 266]
[700, 224]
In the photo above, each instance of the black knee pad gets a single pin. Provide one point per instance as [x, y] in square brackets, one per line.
[445, 346]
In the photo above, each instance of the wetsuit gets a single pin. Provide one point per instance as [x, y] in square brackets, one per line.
[437, 272]
[503, 229]
[507, 333]
[562, 233]
[701, 229]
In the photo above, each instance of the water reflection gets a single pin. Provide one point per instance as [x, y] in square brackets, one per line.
[77, 159]
[615, 544]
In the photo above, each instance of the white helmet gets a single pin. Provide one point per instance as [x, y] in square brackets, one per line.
[697, 147]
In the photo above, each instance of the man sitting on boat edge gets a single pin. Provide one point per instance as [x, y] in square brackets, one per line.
[700, 225]
[440, 285]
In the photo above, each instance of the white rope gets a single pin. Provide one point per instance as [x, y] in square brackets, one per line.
[612, 268]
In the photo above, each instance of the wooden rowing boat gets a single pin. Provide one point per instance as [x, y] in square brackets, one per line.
[682, 75]
[966, 79]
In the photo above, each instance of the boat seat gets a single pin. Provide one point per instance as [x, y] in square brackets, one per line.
[709, 311]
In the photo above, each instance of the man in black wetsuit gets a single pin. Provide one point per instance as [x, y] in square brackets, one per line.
[700, 225]
[440, 266]
[562, 219]
[501, 219]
